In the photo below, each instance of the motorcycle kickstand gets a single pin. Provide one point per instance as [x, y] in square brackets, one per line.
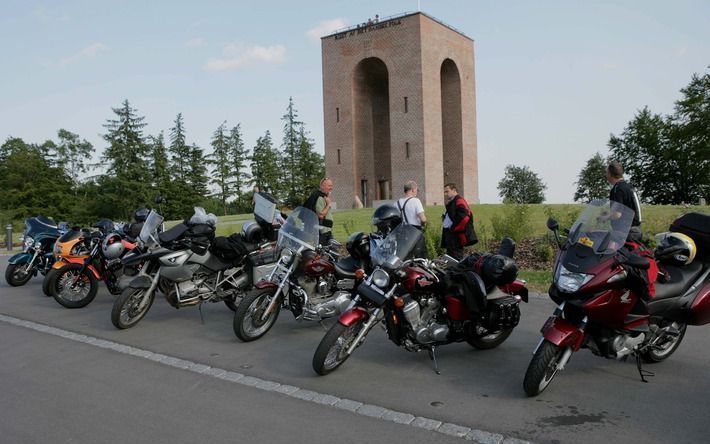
[642, 372]
[432, 356]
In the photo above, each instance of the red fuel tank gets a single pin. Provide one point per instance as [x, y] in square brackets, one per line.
[315, 265]
[418, 280]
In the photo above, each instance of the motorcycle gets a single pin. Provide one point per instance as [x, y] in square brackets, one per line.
[602, 305]
[37, 244]
[187, 268]
[72, 245]
[74, 281]
[425, 304]
[308, 280]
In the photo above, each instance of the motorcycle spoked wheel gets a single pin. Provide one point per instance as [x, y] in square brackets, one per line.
[542, 368]
[74, 288]
[663, 351]
[16, 276]
[332, 350]
[128, 309]
[485, 340]
[248, 325]
[49, 284]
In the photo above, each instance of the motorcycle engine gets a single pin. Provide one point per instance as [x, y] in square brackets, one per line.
[190, 292]
[421, 315]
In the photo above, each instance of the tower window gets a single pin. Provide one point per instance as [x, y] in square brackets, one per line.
[338, 157]
[337, 116]
[406, 149]
[406, 104]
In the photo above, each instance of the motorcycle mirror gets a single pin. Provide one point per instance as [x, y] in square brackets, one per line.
[158, 199]
[552, 224]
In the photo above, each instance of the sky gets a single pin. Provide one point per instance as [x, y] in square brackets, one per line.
[553, 78]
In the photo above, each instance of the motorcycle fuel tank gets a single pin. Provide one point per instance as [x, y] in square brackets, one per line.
[419, 280]
[316, 265]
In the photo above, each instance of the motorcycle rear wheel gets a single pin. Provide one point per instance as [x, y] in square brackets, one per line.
[488, 340]
[332, 350]
[49, 284]
[664, 351]
[74, 288]
[15, 275]
[128, 309]
[542, 368]
[248, 325]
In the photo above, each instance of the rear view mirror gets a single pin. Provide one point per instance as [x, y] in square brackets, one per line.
[552, 224]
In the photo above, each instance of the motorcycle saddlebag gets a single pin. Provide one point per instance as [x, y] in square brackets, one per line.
[263, 256]
[697, 226]
[229, 248]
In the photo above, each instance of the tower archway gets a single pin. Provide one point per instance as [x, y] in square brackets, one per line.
[451, 123]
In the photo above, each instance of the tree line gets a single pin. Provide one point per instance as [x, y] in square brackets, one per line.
[57, 177]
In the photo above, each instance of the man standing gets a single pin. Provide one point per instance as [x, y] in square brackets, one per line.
[413, 213]
[319, 201]
[624, 194]
[458, 223]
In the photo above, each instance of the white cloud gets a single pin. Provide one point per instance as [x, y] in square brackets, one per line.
[237, 55]
[90, 51]
[325, 27]
[195, 43]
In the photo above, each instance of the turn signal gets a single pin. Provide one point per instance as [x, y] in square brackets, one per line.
[399, 302]
[359, 273]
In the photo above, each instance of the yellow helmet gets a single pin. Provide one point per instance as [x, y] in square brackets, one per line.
[675, 248]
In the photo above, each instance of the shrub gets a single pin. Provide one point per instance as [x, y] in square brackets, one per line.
[513, 221]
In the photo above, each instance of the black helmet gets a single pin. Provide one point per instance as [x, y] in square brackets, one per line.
[358, 245]
[386, 217]
[141, 214]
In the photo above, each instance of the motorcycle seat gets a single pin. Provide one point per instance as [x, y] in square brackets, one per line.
[346, 267]
[172, 234]
[681, 278]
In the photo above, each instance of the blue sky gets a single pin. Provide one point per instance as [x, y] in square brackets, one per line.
[554, 78]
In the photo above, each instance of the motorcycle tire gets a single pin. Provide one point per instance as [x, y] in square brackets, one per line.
[542, 368]
[248, 325]
[77, 295]
[15, 275]
[489, 340]
[49, 284]
[332, 350]
[653, 355]
[128, 309]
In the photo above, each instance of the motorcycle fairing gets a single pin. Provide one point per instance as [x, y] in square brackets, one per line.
[562, 333]
[700, 308]
[20, 258]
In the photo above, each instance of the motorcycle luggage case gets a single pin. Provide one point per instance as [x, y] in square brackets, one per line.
[697, 226]
[263, 256]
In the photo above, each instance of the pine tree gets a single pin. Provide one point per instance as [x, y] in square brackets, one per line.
[159, 165]
[222, 175]
[180, 152]
[127, 177]
[239, 157]
[71, 155]
[265, 166]
[196, 174]
[311, 167]
[290, 160]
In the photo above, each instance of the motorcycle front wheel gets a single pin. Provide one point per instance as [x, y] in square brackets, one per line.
[131, 306]
[248, 323]
[333, 348]
[486, 340]
[542, 368]
[73, 287]
[49, 284]
[662, 351]
[16, 276]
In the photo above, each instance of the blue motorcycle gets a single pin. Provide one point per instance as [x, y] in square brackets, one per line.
[37, 250]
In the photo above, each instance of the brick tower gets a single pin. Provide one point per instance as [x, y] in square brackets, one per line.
[399, 103]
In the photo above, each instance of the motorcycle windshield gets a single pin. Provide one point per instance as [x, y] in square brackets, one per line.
[397, 247]
[603, 226]
[39, 224]
[300, 230]
[149, 231]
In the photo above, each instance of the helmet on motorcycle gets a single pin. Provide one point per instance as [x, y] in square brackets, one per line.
[386, 217]
[112, 247]
[141, 214]
[251, 232]
[674, 248]
[358, 245]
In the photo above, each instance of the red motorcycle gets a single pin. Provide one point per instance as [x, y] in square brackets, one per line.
[425, 304]
[308, 279]
[605, 289]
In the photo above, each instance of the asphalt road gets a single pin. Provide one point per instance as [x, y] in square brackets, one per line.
[54, 387]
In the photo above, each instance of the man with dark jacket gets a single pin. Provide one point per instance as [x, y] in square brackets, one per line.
[458, 229]
[320, 203]
[624, 194]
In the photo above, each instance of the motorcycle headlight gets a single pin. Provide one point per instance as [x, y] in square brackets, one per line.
[287, 256]
[380, 278]
[57, 249]
[569, 282]
[38, 245]
[28, 242]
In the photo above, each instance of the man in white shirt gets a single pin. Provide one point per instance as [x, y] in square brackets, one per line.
[413, 212]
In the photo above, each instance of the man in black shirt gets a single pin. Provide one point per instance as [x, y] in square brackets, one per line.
[624, 193]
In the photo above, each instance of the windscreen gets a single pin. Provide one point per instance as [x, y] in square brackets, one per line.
[603, 226]
[149, 232]
[398, 246]
[300, 230]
